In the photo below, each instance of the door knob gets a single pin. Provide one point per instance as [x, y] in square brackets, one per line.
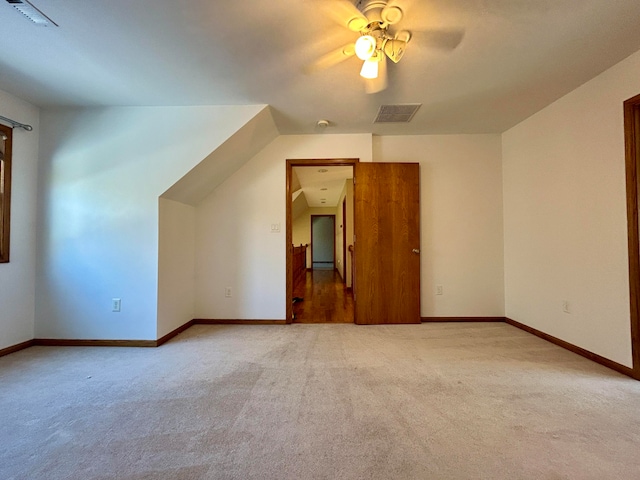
[416, 250]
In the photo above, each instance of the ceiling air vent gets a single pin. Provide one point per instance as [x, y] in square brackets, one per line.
[397, 113]
[32, 13]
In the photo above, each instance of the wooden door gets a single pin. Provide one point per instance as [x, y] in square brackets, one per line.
[387, 243]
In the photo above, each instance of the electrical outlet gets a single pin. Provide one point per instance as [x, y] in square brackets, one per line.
[116, 303]
[227, 292]
[439, 290]
[565, 306]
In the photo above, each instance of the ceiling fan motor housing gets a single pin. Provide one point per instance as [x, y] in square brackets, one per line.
[378, 11]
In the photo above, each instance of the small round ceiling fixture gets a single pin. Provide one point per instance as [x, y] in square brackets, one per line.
[323, 123]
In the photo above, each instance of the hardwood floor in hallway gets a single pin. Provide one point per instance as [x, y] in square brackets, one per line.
[325, 299]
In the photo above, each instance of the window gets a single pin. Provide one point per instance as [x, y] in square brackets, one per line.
[6, 136]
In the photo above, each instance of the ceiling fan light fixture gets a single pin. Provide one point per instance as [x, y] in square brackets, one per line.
[370, 68]
[365, 47]
[394, 49]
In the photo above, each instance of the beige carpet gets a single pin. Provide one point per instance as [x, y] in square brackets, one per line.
[432, 401]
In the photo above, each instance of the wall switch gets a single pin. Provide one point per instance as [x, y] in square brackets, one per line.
[227, 292]
[275, 228]
[439, 290]
[116, 303]
[565, 306]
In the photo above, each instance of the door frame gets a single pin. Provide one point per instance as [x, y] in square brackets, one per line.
[632, 168]
[320, 162]
[333, 217]
[344, 241]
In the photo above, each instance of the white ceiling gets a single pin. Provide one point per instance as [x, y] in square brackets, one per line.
[322, 186]
[515, 57]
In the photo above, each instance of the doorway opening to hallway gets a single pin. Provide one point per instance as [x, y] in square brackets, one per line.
[320, 222]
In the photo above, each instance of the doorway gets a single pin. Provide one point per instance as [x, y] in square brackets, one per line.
[386, 255]
[323, 242]
[321, 291]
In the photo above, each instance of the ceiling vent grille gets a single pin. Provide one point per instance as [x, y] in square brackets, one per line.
[397, 113]
[32, 13]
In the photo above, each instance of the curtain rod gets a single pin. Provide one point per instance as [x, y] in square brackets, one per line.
[15, 124]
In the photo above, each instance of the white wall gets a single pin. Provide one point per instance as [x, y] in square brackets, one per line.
[345, 263]
[301, 228]
[461, 220]
[101, 173]
[340, 234]
[234, 244]
[349, 232]
[461, 224]
[176, 265]
[17, 278]
[565, 216]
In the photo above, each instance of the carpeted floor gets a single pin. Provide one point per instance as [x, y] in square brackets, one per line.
[431, 401]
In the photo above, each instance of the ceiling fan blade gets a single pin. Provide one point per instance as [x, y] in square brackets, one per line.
[332, 58]
[375, 85]
[344, 13]
[446, 40]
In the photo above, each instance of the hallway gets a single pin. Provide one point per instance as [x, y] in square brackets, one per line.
[325, 299]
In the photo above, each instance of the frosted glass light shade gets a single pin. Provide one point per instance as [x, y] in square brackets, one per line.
[369, 69]
[365, 47]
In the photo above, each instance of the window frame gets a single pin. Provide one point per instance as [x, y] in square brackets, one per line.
[5, 198]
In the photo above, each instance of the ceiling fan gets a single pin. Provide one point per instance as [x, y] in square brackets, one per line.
[376, 22]
[378, 40]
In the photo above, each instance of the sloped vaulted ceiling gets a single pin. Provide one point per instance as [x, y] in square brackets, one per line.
[203, 179]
